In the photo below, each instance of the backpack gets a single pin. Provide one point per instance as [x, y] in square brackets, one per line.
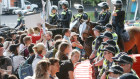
[26, 68]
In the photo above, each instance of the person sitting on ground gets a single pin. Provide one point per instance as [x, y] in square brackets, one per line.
[5, 63]
[31, 54]
[36, 31]
[22, 44]
[27, 41]
[63, 51]
[54, 68]
[40, 51]
[52, 52]
[34, 37]
[48, 41]
[16, 58]
[67, 66]
[42, 70]
[57, 37]
[67, 34]
[74, 40]
[6, 46]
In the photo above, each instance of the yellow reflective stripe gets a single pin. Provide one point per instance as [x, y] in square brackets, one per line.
[63, 13]
[19, 18]
[79, 15]
[52, 15]
[104, 13]
[115, 37]
[116, 10]
[93, 46]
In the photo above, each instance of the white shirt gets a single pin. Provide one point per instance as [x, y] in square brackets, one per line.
[17, 60]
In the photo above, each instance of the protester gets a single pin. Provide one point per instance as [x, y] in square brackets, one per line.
[67, 34]
[67, 67]
[63, 51]
[54, 68]
[40, 51]
[42, 70]
[16, 58]
[5, 63]
[22, 44]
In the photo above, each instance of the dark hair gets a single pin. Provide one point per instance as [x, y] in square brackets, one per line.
[17, 40]
[61, 49]
[6, 76]
[36, 29]
[21, 39]
[53, 61]
[57, 43]
[13, 49]
[65, 30]
[30, 48]
[58, 36]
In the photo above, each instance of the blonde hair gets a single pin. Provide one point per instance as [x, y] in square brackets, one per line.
[75, 51]
[30, 31]
[38, 48]
[41, 71]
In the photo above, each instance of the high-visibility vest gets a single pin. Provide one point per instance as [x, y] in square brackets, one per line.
[52, 15]
[115, 37]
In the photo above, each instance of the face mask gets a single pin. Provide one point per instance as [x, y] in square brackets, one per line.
[111, 78]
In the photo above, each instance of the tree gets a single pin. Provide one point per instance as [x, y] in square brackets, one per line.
[93, 2]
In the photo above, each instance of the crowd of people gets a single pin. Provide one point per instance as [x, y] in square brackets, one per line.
[35, 54]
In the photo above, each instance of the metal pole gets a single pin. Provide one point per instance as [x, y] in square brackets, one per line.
[0, 12]
[70, 3]
[136, 10]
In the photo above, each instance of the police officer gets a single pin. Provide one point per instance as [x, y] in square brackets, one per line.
[126, 62]
[109, 52]
[81, 14]
[105, 14]
[114, 72]
[66, 15]
[20, 22]
[53, 17]
[97, 42]
[118, 17]
[109, 28]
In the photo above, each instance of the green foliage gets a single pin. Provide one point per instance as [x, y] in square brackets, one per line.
[93, 2]
[91, 16]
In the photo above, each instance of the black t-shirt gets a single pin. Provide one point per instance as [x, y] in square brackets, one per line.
[119, 19]
[4, 62]
[65, 67]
